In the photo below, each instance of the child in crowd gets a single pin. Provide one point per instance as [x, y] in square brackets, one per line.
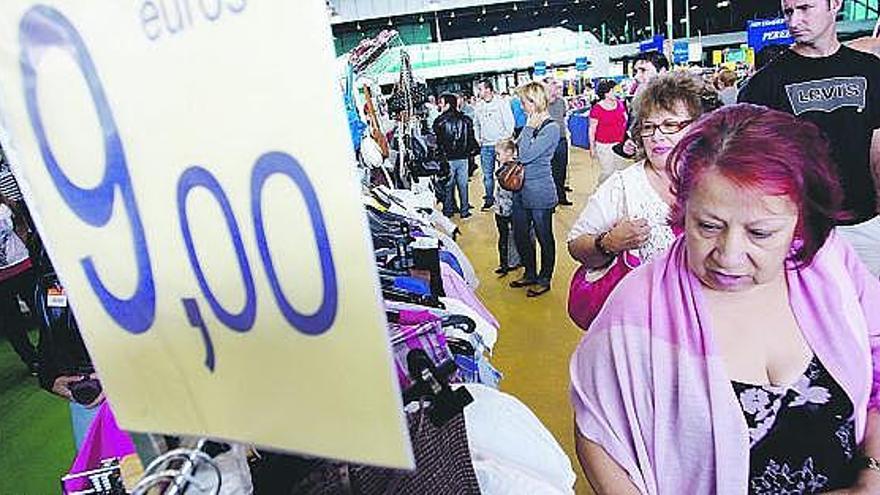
[505, 151]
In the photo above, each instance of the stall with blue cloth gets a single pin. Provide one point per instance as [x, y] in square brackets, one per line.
[579, 129]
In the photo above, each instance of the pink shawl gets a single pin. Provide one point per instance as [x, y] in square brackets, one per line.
[650, 387]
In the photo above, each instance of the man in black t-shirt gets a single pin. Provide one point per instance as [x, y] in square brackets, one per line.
[838, 89]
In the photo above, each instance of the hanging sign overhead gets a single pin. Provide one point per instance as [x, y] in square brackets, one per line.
[581, 64]
[653, 44]
[540, 69]
[680, 53]
[764, 32]
[196, 195]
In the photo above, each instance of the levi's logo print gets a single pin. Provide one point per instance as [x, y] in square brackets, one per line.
[828, 95]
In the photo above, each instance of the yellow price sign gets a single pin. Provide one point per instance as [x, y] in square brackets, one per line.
[189, 167]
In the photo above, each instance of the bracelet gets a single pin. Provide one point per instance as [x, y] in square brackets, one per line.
[600, 248]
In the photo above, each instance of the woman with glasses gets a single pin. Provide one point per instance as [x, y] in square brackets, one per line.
[630, 210]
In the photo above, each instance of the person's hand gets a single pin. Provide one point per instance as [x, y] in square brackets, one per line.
[628, 234]
[59, 387]
[629, 147]
[100, 398]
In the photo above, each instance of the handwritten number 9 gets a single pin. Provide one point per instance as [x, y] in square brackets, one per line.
[43, 28]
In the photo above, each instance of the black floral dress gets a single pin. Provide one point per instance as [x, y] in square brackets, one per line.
[802, 436]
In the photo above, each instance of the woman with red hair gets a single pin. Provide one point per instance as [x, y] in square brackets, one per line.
[747, 358]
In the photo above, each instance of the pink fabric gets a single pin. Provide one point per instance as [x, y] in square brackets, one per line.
[457, 288]
[104, 440]
[612, 123]
[650, 387]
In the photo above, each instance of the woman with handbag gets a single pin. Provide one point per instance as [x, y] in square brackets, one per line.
[625, 221]
[533, 204]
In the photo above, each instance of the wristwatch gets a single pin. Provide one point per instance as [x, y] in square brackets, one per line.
[600, 248]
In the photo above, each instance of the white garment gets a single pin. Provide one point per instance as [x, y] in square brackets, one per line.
[627, 194]
[609, 161]
[12, 249]
[494, 121]
[512, 451]
[865, 239]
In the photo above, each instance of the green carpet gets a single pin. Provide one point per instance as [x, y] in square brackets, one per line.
[36, 444]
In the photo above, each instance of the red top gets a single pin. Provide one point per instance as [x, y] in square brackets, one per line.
[612, 123]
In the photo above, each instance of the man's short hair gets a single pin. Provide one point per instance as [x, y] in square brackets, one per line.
[655, 58]
[488, 84]
[449, 99]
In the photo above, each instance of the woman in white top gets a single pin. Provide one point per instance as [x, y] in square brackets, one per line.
[630, 210]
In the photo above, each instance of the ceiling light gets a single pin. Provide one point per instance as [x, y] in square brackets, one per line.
[449, 23]
[452, 15]
[546, 4]
[723, 3]
[563, 22]
[630, 14]
[358, 26]
[479, 19]
[515, 7]
[683, 20]
[421, 19]
[484, 10]
[694, 7]
[535, 13]
[507, 16]
[494, 29]
[389, 22]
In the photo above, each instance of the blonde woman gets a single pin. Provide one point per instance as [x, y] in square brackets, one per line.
[533, 205]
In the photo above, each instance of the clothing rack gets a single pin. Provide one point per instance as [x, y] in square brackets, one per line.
[173, 472]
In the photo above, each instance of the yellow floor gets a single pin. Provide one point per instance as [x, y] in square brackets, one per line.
[536, 337]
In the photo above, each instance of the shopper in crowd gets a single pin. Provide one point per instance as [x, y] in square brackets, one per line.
[456, 143]
[558, 109]
[466, 108]
[508, 256]
[838, 89]
[725, 83]
[16, 282]
[607, 128]
[65, 368]
[759, 297]
[519, 116]
[433, 111]
[630, 211]
[646, 66]
[494, 122]
[533, 205]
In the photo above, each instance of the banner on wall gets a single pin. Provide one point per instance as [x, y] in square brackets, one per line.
[680, 52]
[204, 225]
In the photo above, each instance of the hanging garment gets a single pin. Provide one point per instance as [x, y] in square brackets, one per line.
[457, 288]
[443, 467]
[506, 438]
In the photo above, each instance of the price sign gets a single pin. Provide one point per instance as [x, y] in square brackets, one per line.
[195, 191]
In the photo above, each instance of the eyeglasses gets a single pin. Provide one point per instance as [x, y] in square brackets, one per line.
[666, 127]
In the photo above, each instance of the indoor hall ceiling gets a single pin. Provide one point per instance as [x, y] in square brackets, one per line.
[622, 21]
[359, 10]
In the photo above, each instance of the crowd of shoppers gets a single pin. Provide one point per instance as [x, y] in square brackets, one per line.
[708, 365]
